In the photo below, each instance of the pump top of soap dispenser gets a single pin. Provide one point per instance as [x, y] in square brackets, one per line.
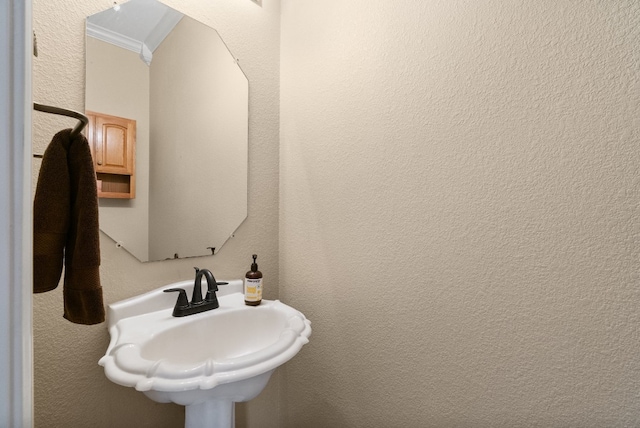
[254, 272]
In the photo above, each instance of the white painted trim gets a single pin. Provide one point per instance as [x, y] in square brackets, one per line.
[16, 338]
[120, 40]
[144, 48]
[110, 36]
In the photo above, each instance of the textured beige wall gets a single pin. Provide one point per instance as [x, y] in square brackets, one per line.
[70, 388]
[460, 212]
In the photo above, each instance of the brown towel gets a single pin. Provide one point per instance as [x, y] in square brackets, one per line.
[65, 227]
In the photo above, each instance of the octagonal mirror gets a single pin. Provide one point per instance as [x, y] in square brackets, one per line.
[176, 81]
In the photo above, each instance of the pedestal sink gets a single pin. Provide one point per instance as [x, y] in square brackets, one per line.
[204, 361]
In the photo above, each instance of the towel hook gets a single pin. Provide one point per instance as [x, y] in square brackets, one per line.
[83, 120]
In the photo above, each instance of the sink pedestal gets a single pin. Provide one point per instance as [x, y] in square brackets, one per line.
[210, 414]
[213, 408]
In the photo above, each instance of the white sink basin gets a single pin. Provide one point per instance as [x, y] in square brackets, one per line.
[204, 361]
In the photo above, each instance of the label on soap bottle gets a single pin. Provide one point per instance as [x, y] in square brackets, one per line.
[253, 289]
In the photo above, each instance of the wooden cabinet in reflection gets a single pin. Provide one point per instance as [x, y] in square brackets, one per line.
[112, 141]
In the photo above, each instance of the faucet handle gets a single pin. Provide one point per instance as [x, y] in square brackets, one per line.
[183, 301]
[212, 287]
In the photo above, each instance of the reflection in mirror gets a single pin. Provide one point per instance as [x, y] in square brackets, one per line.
[189, 99]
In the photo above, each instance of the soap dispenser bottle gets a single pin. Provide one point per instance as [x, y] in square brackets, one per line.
[253, 285]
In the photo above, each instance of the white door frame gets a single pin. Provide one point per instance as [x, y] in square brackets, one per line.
[16, 336]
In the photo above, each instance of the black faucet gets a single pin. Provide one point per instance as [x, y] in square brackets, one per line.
[198, 304]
